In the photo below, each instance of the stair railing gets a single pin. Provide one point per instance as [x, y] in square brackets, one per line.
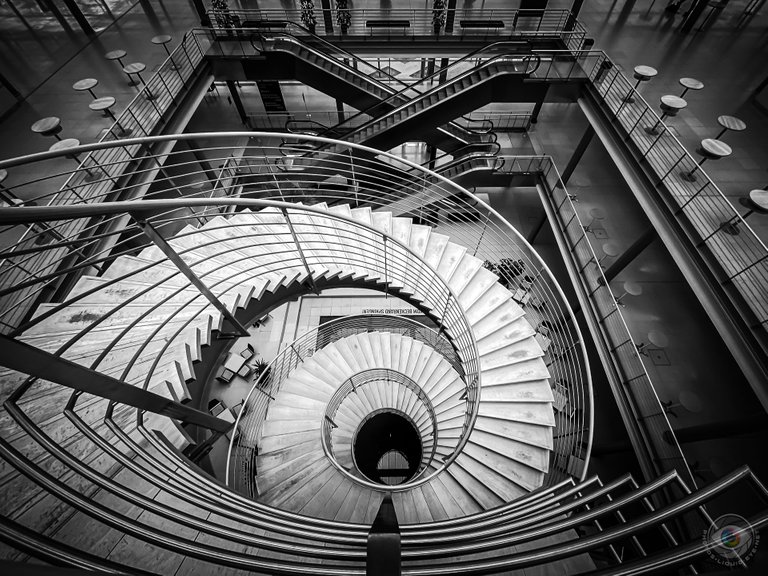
[265, 389]
[360, 176]
[376, 377]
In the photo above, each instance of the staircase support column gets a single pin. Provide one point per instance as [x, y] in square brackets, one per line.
[237, 102]
[166, 248]
[210, 173]
[537, 106]
[581, 147]
[41, 364]
[383, 557]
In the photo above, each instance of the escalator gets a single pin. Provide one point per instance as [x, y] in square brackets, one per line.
[468, 83]
[351, 79]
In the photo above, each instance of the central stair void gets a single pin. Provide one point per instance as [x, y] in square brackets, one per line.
[387, 447]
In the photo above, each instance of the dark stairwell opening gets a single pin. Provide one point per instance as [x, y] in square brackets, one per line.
[387, 448]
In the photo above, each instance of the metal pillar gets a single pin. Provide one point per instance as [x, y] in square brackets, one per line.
[690, 18]
[200, 9]
[630, 253]
[383, 558]
[82, 21]
[210, 173]
[238, 102]
[27, 359]
[166, 248]
[581, 147]
[539, 104]
[450, 16]
[325, 6]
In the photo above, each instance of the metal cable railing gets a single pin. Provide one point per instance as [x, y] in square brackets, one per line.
[739, 263]
[660, 451]
[380, 377]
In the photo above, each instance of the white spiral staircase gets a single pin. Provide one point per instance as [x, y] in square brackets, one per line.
[507, 454]
[89, 483]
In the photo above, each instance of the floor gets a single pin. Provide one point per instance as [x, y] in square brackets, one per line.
[730, 60]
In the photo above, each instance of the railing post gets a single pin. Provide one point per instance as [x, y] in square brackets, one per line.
[310, 279]
[160, 242]
[386, 277]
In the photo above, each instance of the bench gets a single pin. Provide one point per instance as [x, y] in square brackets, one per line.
[481, 23]
[387, 23]
[265, 24]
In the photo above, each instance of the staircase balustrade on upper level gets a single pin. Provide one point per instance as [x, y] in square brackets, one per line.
[738, 262]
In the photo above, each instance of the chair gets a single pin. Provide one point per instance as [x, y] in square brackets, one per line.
[245, 371]
[215, 407]
[226, 376]
[248, 352]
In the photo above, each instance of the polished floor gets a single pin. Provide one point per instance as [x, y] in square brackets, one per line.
[730, 57]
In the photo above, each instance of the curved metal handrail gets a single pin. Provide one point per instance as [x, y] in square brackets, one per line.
[375, 178]
[267, 386]
[372, 377]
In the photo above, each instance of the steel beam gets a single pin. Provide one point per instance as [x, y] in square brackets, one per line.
[27, 359]
[383, 558]
[177, 260]
[637, 247]
[581, 147]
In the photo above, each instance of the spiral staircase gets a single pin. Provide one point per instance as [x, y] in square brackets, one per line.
[134, 304]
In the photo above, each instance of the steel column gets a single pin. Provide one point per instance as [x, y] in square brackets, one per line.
[581, 147]
[27, 359]
[237, 102]
[622, 261]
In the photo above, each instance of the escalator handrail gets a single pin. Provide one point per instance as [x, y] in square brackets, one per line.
[375, 119]
[456, 154]
[370, 111]
[287, 35]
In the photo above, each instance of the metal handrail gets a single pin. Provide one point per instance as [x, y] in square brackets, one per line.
[702, 206]
[375, 185]
[372, 378]
[664, 456]
[266, 388]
